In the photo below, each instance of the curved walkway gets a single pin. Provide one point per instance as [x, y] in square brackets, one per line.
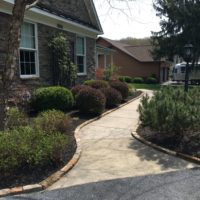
[114, 165]
[109, 151]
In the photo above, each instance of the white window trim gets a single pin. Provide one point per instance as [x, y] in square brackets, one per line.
[85, 56]
[37, 75]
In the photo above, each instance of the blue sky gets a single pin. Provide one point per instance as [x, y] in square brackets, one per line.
[136, 19]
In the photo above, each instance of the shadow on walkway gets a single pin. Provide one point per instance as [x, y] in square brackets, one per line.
[165, 161]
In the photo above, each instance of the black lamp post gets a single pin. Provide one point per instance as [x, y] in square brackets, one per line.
[188, 58]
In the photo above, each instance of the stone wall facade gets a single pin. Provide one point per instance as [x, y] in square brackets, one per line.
[46, 75]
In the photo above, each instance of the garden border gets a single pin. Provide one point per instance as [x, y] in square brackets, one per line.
[165, 150]
[60, 173]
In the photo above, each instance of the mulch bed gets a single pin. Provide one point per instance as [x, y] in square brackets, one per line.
[191, 148]
[26, 177]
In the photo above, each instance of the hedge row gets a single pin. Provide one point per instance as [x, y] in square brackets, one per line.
[91, 97]
[148, 80]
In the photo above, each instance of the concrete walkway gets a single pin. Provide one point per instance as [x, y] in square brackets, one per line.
[109, 152]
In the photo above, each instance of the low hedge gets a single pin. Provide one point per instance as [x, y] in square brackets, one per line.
[97, 84]
[56, 97]
[52, 121]
[138, 80]
[27, 149]
[91, 101]
[120, 87]
[126, 79]
[151, 80]
[113, 97]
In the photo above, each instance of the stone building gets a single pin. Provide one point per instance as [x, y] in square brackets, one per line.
[77, 19]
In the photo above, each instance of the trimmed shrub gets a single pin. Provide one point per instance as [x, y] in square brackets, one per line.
[138, 80]
[151, 80]
[91, 101]
[120, 87]
[171, 112]
[25, 148]
[52, 121]
[76, 89]
[97, 84]
[56, 97]
[113, 97]
[16, 118]
[126, 79]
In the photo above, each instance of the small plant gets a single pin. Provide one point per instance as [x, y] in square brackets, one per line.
[138, 80]
[121, 87]
[16, 118]
[113, 97]
[49, 98]
[97, 84]
[111, 73]
[99, 73]
[151, 80]
[52, 121]
[91, 101]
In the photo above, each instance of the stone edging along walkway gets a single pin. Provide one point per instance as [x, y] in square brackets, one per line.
[164, 150]
[60, 173]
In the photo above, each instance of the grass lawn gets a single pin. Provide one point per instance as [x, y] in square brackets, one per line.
[145, 86]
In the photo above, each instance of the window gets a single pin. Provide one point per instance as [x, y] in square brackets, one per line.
[182, 69]
[28, 51]
[80, 55]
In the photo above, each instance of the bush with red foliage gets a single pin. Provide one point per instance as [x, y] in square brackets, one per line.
[97, 84]
[91, 101]
[120, 87]
[76, 89]
[113, 97]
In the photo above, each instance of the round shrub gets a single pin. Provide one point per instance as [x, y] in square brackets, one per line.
[56, 97]
[91, 101]
[52, 121]
[76, 89]
[138, 80]
[113, 97]
[120, 87]
[151, 80]
[97, 84]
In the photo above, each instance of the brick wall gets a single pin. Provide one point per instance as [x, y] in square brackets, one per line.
[128, 66]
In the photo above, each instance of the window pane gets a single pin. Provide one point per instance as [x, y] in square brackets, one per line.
[22, 69]
[27, 62]
[80, 49]
[28, 36]
[80, 64]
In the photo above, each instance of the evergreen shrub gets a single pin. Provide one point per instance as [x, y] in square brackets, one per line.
[171, 111]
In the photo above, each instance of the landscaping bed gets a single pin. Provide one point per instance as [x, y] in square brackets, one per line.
[171, 119]
[33, 166]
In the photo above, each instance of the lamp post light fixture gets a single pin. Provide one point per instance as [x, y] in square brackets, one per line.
[188, 54]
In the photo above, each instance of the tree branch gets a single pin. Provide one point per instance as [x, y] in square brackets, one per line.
[31, 4]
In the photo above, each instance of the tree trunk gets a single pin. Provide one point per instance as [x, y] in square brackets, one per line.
[12, 55]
